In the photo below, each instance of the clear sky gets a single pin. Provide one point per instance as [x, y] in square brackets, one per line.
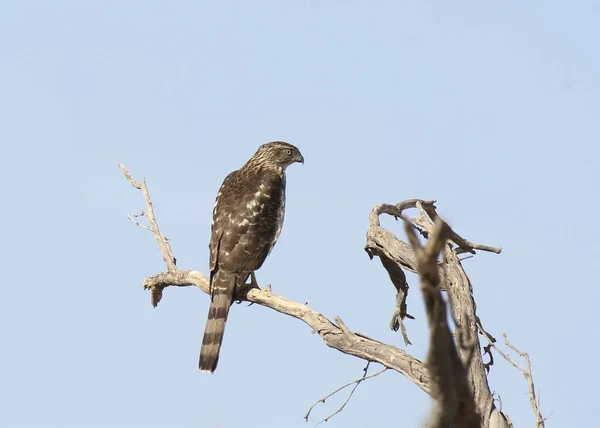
[491, 109]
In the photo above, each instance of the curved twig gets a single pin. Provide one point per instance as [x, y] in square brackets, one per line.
[535, 402]
[356, 382]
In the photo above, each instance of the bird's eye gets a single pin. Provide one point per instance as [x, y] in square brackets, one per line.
[288, 152]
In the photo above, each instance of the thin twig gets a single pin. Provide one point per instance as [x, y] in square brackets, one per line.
[163, 243]
[356, 382]
[137, 223]
[535, 403]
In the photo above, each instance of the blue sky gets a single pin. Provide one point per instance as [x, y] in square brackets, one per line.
[491, 109]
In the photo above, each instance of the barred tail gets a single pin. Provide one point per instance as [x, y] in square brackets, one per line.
[223, 289]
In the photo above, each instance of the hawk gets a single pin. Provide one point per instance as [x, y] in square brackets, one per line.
[247, 220]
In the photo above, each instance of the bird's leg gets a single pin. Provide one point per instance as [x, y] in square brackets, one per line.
[247, 287]
[254, 284]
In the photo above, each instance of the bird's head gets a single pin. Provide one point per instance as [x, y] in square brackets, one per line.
[279, 154]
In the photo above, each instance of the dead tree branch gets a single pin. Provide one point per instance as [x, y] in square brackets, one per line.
[527, 373]
[450, 386]
[395, 255]
[137, 223]
[355, 382]
[335, 334]
[452, 278]
[163, 244]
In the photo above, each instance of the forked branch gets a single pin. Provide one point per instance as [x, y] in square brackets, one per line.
[527, 373]
[163, 243]
[355, 382]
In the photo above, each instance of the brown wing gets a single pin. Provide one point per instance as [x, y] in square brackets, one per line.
[247, 219]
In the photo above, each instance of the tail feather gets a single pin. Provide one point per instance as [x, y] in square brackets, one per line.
[223, 289]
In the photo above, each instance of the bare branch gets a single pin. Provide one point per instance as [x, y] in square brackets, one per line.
[137, 223]
[163, 244]
[454, 237]
[382, 241]
[395, 210]
[398, 278]
[425, 207]
[535, 402]
[356, 382]
[395, 255]
[338, 336]
[129, 178]
[334, 336]
[450, 386]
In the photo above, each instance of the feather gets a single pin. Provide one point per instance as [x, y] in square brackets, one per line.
[247, 220]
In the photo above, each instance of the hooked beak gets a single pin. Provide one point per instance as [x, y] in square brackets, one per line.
[300, 159]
